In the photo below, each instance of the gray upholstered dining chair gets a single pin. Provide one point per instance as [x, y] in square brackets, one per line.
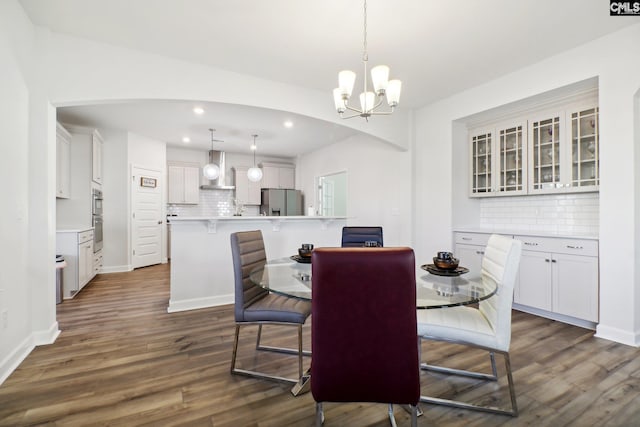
[256, 306]
[356, 236]
[488, 327]
[363, 333]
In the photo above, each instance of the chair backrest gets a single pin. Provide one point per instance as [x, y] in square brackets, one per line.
[500, 265]
[355, 236]
[247, 251]
[363, 334]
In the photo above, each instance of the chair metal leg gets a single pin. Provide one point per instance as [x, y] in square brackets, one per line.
[235, 349]
[457, 404]
[392, 418]
[319, 414]
[414, 415]
[262, 375]
[282, 350]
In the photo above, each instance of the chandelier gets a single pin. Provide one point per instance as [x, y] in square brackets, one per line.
[255, 173]
[369, 100]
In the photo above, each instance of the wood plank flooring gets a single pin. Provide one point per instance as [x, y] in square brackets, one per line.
[122, 360]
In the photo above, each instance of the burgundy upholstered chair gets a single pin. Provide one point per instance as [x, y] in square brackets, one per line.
[256, 306]
[364, 334]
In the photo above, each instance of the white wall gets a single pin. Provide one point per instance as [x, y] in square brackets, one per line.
[378, 183]
[618, 70]
[27, 217]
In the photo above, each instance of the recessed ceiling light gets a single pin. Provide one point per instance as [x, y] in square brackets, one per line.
[198, 110]
[288, 124]
[186, 140]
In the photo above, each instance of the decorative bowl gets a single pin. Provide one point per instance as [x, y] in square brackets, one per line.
[305, 253]
[446, 264]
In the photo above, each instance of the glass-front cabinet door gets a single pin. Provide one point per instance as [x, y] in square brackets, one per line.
[585, 159]
[512, 176]
[481, 164]
[545, 154]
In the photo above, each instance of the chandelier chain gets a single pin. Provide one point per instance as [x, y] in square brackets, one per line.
[365, 55]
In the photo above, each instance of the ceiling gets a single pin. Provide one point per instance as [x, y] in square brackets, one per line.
[437, 48]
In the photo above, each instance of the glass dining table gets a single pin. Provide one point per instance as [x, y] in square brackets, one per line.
[290, 278]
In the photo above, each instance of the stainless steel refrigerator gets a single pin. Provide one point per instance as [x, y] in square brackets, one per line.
[279, 202]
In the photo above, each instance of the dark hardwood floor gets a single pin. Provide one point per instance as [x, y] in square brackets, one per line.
[122, 360]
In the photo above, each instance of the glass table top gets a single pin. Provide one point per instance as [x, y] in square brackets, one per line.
[289, 278]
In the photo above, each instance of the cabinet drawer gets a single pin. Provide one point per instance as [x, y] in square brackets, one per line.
[97, 262]
[479, 239]
[559, 245]
[85, 236]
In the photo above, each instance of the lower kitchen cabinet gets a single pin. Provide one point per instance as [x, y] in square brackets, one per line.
[469, 249]
[559, 276]
[76, 246]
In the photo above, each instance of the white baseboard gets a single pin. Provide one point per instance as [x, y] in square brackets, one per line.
[116, 269]
[555, 316]
[196, 303]
[618, 335]
[46, 337]
[16, 357]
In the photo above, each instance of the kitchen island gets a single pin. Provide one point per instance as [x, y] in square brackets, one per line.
[201, 264]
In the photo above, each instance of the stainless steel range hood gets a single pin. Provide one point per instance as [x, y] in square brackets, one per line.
[218, 158]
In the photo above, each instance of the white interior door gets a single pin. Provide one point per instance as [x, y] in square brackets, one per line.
[146, 204]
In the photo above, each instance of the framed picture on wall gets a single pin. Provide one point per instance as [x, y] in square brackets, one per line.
[148, 182]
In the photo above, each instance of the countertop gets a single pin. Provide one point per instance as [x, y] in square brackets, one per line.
[533, 233]
[73, 230]
[254, 218]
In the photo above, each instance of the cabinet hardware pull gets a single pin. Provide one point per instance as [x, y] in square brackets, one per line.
[480, 252]
[553, 260]
[575, 247]
[466, 238]
[530, 243]
[547, 260]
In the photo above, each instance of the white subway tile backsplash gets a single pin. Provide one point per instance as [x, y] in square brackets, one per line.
[561, 213]
[212, 203]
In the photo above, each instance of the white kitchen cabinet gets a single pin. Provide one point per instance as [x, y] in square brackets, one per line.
[96, 157]
[278, 175]
[76, 246]
[75, 212]
[498, 159]
[469, 249]
[97, 262]
[247, 192]
[545, 151]
[63, 162]
[184, 184]
[559, 276]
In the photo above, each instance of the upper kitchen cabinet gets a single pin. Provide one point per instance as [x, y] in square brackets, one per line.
[75, 210]
[247, 192]
[498, 156]
[585, 155]
[564, 151]
[556, 151]
[96, 156]
[63, 162]
[278, 175]
[184, 183]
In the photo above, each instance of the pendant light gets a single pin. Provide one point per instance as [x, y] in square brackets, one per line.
[255, 173]
[370, 100]
[211, 171]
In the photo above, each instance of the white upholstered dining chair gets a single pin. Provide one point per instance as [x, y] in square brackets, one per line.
[487, 327]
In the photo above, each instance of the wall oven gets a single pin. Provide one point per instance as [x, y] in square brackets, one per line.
[96, 211]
